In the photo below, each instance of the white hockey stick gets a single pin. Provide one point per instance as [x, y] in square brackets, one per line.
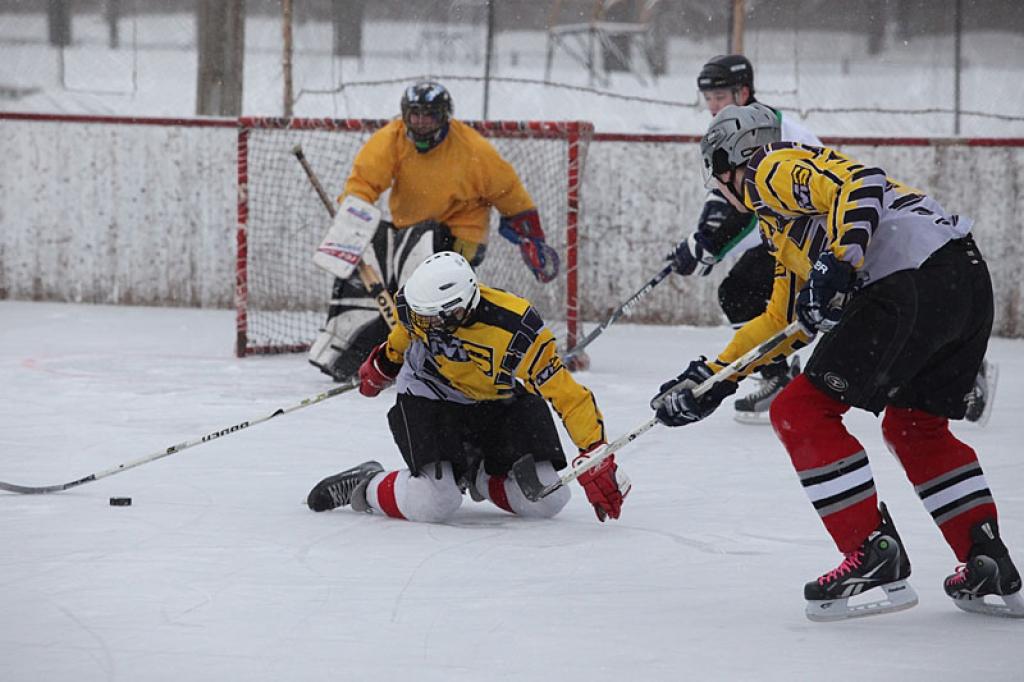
[370, 277]
[36, 490]
[525, 473]
[619, 312]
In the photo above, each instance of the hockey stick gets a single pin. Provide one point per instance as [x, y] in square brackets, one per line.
[619, 312]
[370, 277]
[36, 490]
[525, 472]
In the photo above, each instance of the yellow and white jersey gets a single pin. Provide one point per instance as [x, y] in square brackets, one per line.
[456, 182]
[503, 348]
[809, 199]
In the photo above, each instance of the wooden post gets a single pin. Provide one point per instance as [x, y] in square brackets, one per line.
[221, 39]
[739, 16]
[286, 58]
[487, 57]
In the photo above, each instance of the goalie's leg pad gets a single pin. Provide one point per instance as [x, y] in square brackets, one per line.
[503, 492]
[943, 470]
[832, 465]
[422, 498]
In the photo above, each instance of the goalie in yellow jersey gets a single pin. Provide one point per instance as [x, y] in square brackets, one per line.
[903, 299]
[474, 366]
[444, 179]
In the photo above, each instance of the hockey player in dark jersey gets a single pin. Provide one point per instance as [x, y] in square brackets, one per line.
[902, 297]
[474, 366]
[724, 233]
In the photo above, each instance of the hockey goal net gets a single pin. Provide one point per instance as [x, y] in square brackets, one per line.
[282, 298]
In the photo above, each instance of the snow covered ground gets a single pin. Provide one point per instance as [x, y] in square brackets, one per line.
[218, 571]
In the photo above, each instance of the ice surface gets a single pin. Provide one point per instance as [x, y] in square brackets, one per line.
[219, 572]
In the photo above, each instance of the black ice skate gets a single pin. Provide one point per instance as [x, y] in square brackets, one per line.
[988, 571]
[879, 562]
[981, 397]
[753, 407]
[341, 489]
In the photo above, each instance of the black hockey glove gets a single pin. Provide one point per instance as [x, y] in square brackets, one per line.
[819, 305]
[692, 255]
[675, 404]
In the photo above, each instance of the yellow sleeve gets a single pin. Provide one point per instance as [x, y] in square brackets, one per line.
[791, 180]
[543, 373]
[781, 310]
[374, 166]
[501, 185]
[398, 342]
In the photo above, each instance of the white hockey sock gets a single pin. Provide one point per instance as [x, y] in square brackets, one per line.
[423, 498]
[503, 492]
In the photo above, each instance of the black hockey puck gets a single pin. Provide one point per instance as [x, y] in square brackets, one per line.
[120, 501]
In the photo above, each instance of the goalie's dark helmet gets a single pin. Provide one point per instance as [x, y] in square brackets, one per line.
[726, 71]
[735, 134]
[433, 100]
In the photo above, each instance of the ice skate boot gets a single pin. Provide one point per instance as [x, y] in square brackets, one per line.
[753, 407]
[348, 487]
[982, 396]
[879, 562]
[988, 571]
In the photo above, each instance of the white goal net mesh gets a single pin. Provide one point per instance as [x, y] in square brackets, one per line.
[282, 297]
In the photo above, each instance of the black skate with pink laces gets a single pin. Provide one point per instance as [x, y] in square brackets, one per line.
[880, 562]
[989, 571]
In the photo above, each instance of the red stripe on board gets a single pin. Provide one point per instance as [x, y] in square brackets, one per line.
[386, 496]
[124, 120]
[496, 488]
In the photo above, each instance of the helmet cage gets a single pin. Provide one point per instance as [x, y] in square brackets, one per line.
[442, 293]
[431, 99]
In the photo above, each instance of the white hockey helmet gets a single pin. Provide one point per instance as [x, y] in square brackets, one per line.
[441, 292]
[735, 134]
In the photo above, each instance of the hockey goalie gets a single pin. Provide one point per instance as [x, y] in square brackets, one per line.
[443, 178]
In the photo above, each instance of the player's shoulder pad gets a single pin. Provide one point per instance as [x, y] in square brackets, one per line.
[507, 311]
[770, 149]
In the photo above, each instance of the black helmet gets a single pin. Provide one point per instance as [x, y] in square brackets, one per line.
[428, 98]
[726, 71]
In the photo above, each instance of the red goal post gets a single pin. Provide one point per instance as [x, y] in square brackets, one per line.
[282, 298]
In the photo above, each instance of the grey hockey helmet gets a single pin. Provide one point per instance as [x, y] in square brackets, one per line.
[442, 292]
[735, 134]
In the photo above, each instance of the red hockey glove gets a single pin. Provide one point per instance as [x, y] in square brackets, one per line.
[525, 231]
[605, 485]
[377, 372]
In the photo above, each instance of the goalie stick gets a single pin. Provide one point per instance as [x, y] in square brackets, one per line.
[524, 470]
[370, 277]
[36, 490]
[619, 312]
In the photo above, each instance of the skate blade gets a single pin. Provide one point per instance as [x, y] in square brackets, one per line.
[1012, 606]
[755, 418]
[900, 596]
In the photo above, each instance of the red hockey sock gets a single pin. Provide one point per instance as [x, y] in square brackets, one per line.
[831, 464]
[945, 473]
[496, 493]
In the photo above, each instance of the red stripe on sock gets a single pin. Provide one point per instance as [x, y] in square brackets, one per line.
[386, 496]
[927, 449]
[496, 491]
[809, 423]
